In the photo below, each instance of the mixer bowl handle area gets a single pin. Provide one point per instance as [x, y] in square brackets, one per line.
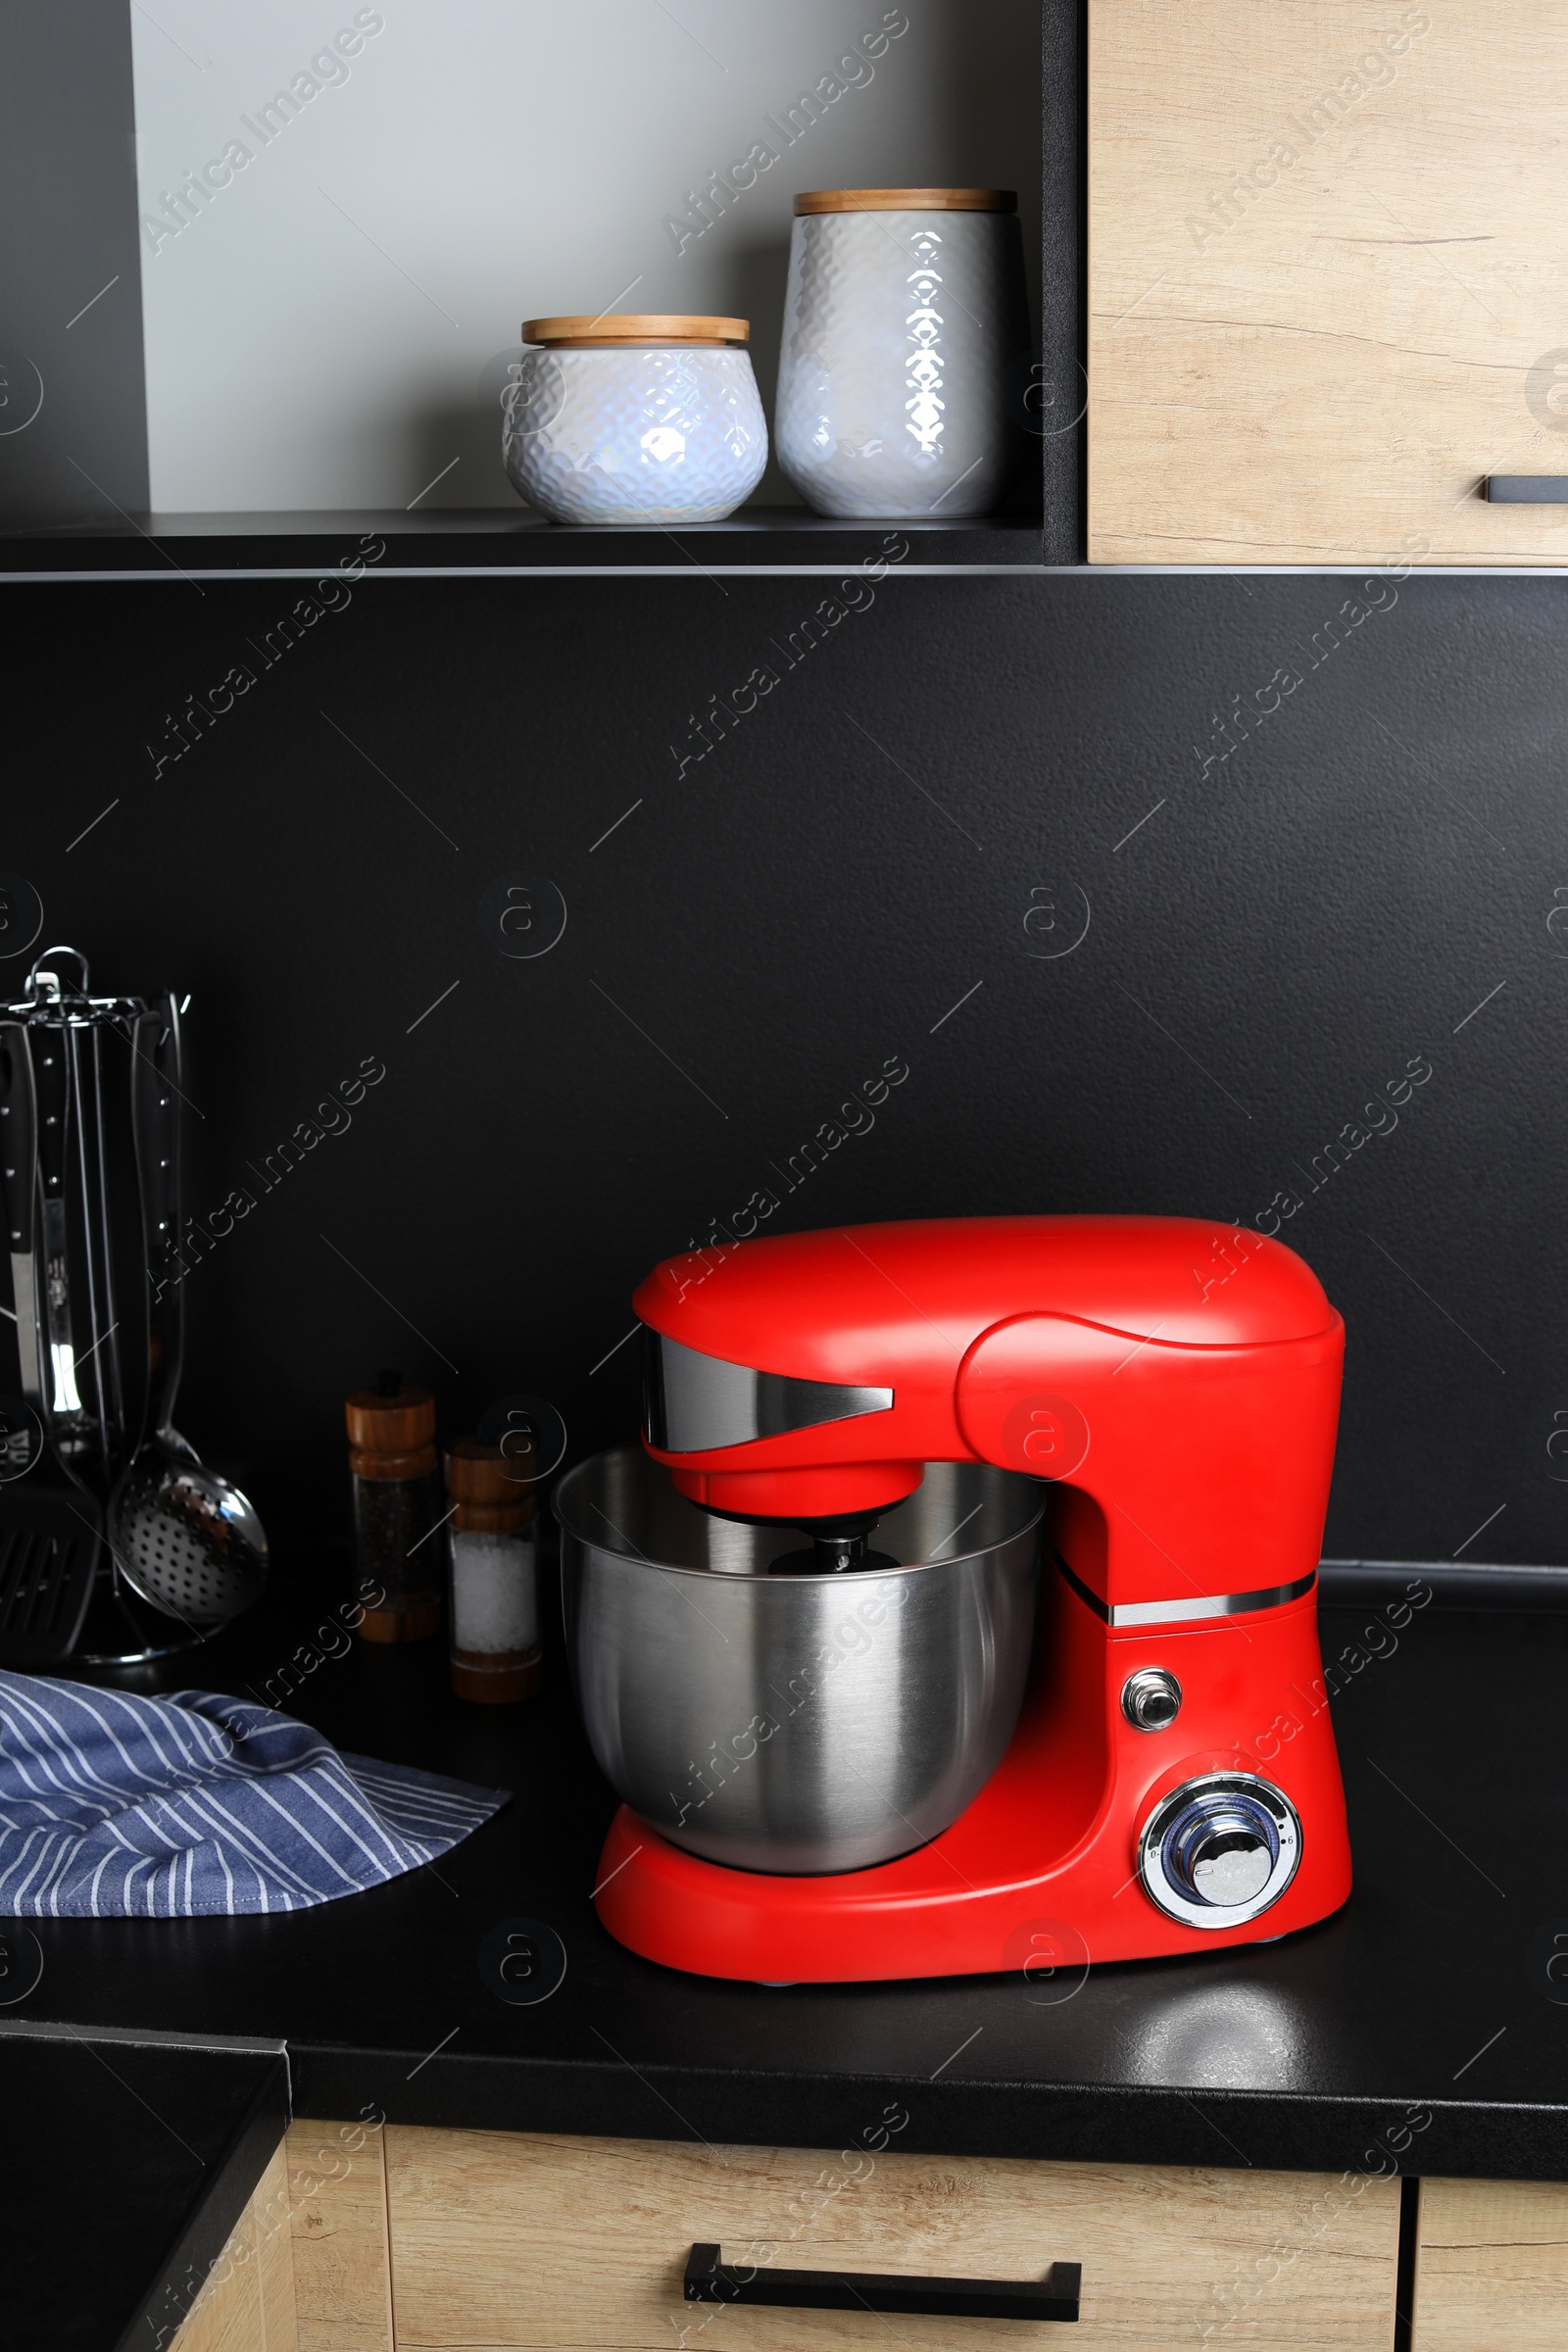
[712, 2279]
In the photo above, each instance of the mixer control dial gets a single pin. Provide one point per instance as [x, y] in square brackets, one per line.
[1219, 1850]
[1150, 1698]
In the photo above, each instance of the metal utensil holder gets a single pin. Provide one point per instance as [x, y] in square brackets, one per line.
[79, 1321]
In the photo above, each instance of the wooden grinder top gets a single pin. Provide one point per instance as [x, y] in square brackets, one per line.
[391, 1432]
[486, 1486]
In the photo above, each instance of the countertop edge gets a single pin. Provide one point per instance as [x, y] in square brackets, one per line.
[1232, 2129]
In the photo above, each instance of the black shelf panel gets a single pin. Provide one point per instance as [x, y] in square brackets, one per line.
[480, 539]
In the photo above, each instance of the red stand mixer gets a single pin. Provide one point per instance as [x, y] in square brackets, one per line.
[1162, 1775]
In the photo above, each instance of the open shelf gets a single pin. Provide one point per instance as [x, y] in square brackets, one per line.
[759, 540]
[247, 384]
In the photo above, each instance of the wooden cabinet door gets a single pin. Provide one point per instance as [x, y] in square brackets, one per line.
[517, 2240]
[1328, 279]
[1491, 2267]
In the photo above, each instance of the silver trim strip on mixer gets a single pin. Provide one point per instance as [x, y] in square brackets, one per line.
[1184, 1612]
[695, 1402]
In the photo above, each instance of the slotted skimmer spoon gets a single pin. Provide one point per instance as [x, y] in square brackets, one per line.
[184, 1538]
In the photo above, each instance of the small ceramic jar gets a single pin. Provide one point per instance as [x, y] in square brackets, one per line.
[634, 419]
[906, 351]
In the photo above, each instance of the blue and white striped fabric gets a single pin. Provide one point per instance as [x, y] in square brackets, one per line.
[120, 1807]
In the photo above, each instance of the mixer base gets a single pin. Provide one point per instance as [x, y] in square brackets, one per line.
[1039, 1874]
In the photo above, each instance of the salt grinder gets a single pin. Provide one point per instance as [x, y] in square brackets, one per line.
[493, 1607]
[397, 1510]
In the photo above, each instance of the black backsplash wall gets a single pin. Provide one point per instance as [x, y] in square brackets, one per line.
[1281, 937]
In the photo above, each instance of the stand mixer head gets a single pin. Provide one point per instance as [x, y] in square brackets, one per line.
[1177, 1384]
[1148, 1361]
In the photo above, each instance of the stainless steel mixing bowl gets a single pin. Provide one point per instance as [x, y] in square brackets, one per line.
[796, 1723]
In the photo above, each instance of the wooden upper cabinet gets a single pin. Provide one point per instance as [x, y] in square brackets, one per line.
[1328, 279]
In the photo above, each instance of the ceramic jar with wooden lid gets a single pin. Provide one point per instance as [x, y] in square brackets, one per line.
[634, 419]
[906, 352]
[493, 1604]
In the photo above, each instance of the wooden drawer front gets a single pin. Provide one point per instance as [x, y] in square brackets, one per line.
[1491, 2267]
[1314, 361]
[512, 2239]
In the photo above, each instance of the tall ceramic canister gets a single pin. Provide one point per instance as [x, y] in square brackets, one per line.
[906, 350]
[628, 418]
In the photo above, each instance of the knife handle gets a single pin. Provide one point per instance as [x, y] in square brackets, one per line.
[19, 1196]
[51, 1086]
[18, 1137]
[68, 1419]
[155, 1125]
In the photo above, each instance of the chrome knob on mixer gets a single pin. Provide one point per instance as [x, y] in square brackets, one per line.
[1150, 1698]
[1219, 1850]
[1224, 1850]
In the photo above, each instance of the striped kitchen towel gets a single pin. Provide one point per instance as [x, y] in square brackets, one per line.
[120, 1807]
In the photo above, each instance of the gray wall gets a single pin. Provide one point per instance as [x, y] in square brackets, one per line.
[72, 409]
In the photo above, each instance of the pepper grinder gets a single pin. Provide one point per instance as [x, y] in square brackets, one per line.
[396, 1510]
[494, 1613]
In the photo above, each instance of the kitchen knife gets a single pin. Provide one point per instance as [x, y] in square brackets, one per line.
[155, 1125]
[51, 1534]
[69, 1424]
[18, 1177]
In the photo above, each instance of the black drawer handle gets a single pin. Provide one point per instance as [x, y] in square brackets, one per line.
[1527, 489]
[708, 2280]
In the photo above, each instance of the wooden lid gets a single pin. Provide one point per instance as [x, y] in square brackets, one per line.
[390, 1420]
[636, 326]
[907, 200]
[484, 1474]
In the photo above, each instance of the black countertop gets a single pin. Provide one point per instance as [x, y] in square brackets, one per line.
[127, 2163]
[1427, 1996]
